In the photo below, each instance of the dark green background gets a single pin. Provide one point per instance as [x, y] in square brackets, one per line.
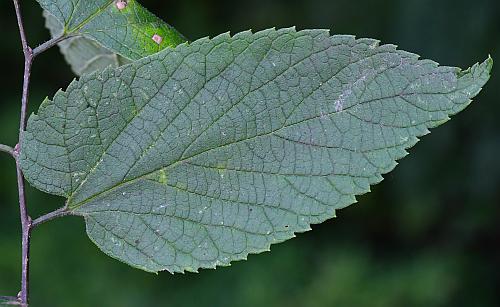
[429, 235]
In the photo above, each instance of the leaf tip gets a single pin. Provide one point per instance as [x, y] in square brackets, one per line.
[472, 80]
[489, 63]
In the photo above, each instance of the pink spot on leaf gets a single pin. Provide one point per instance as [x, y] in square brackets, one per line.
[157, 39]
[121, 4]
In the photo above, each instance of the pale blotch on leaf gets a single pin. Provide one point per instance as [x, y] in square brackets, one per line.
[121, 4]
[157, 39]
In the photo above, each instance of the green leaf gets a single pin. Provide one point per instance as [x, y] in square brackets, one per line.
[84, 55]
[103, 34]
[200, 155]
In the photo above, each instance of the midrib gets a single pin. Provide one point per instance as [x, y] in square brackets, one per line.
[173, 165]
[90, 18]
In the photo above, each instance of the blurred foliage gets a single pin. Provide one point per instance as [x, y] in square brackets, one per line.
[426, 236]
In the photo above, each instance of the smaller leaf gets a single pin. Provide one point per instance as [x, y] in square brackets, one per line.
[84, 55]
[106, 33]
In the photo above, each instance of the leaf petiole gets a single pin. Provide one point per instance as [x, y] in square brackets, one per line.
[7, 149]
[48, 44]
[50, 216]
[9, 300]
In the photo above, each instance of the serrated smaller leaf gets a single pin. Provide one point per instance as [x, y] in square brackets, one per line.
[200, 155]
[103, 35]
[84, 55]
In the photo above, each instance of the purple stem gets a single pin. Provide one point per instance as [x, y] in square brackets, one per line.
[26, 222]
[25, 218]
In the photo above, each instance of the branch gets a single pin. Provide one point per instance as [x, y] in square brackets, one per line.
[7, 149]
[26, 222]
[25, 219]
[20, 24]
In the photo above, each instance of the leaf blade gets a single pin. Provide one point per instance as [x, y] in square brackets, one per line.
[84, 55]
[202, 154]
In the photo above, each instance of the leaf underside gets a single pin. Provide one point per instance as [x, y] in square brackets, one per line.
[101, 35]
[84, 55]
[200, 155]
